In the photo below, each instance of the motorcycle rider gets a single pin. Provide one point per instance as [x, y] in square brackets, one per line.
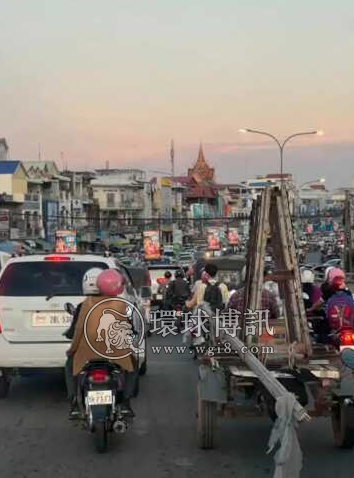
[268, 300]
[178, 290]
[209, 281]
[327, 286]
[97, 285]
[340, 306]
[311, 293]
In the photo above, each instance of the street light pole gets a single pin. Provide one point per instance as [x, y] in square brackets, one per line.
[280, 145]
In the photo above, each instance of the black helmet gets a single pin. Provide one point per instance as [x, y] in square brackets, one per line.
[168, 275]
[179, 274]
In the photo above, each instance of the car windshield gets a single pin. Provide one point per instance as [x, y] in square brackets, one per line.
[30, 279]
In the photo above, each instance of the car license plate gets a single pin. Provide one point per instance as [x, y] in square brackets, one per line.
[51, 319]
[158, 296]
[99, 397]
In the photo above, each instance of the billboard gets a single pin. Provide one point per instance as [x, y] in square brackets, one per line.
[66, 241]
[232, 236]
[151, 245]
[214, 239]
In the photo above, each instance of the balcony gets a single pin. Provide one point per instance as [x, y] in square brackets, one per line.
[123, 206]
[32, 202]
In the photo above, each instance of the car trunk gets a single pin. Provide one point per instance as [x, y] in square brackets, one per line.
[35, 319]
[32, 298]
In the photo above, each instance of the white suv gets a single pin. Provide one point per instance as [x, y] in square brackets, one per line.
[33, 291]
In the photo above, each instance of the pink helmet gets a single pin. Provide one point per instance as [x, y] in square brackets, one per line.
[336, 278]
[110, 283]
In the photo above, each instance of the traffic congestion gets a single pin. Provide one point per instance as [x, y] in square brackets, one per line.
[41, 316]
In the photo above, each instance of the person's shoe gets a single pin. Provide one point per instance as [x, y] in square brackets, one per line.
[127, 410]
[74, 411]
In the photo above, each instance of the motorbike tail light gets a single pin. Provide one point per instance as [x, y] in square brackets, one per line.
[346, 337]
[98, 376]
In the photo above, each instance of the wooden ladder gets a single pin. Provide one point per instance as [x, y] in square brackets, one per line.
[271, 229]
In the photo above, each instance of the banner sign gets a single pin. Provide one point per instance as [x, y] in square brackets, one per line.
[66, 241]
[151, 245]
[214, 239]
[232, 236]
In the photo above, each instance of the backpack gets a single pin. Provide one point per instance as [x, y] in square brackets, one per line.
[340, 310]
[213, 296]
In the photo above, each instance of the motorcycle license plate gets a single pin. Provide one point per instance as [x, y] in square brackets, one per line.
[158, 296]
[99, 397]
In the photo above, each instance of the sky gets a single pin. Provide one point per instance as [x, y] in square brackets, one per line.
[117, 80]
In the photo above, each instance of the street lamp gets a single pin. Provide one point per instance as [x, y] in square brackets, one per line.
[281, 145]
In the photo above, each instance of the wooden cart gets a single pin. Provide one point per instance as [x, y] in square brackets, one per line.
[312, 371]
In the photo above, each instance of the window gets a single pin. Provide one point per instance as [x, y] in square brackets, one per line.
[46, 278]
[110, 199]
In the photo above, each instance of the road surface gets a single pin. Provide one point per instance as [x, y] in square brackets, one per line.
[36, 439]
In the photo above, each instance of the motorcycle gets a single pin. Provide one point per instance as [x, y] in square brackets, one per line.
[100, 396]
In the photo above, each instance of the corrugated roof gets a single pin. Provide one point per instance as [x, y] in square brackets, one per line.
[9, 167]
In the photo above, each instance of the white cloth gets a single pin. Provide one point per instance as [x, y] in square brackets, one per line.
[288, 458]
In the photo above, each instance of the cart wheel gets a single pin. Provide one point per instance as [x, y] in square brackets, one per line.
[343, 425]
[206, 423]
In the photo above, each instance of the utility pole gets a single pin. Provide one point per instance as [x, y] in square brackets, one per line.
[348, 259]
[172, 153]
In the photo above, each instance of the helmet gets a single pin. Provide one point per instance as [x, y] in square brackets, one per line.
[327, 271]
[307, 277]
[179, 274]
[168, 275]
[110, 283]
[336, 278]
[89, 281]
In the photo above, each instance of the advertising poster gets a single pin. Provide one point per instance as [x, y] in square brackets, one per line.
[214, 240]
[309, 229]
[232, 236]
[151, 245]
[65, 242]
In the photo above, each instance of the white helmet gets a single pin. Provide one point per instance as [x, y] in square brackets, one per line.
[307, 277]
[89, 281]
[327, 271]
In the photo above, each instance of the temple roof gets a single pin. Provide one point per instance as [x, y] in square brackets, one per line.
[201, 168]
